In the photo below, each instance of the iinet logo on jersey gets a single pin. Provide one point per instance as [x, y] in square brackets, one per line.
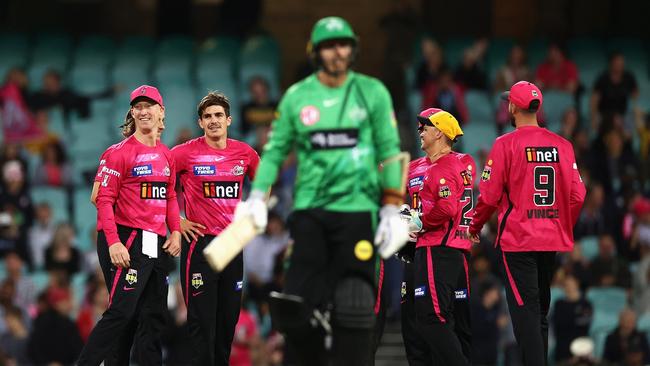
[542, 154]
[153, 190]
[224, 190]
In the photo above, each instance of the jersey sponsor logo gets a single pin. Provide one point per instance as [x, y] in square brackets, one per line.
[543, 213]
[487, 173]
[146, 157]
[444, 192]
[142, 170]
[467, 177]
[334, 139]
[542, 154]
[237, 170]
[239, 285]
[131, 276]
[153, 190]
[204, 170]
[167, 172]
[420, 291]
[227, 190]
[309, 115]
[460, 294]
[197, 280]
[416, 181]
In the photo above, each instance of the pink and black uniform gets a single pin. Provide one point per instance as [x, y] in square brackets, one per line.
[531, 179]
[136, 204]
[212, 181]
[440, 283]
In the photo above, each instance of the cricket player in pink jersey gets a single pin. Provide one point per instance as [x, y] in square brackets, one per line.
[120, 355]
[532, 180]
[212, 170]
[136, 203]
[440, 283]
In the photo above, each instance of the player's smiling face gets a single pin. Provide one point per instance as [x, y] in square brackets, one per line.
[147, 115]
[335, 55]
[214, 122]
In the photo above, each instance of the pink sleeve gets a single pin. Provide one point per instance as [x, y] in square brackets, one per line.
[440, 208]
[491, 187]
[254, 162]
[102, 162]
[108, 191]
[578, 192]
[173, 212]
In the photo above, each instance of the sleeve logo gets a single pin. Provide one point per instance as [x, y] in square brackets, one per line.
[487, 172]
[444, 192]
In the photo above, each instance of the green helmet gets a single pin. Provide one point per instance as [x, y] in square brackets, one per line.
[331, 28]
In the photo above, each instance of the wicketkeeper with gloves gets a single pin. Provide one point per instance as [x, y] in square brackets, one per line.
[435, 312]
[350, 174]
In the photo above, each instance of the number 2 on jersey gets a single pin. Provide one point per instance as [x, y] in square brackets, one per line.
[544, 186]
[468, 200]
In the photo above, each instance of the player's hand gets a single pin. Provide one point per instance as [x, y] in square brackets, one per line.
[119, 255]
[255, 208]
[474, 238]
[173, 244]
[392, 232]
[411, 218]
[191, 230]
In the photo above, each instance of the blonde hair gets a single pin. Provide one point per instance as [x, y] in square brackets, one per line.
[128, 128]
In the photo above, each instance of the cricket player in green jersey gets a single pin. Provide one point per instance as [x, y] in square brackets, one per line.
[350, 168]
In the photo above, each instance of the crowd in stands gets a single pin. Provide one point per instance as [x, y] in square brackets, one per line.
[52, 291]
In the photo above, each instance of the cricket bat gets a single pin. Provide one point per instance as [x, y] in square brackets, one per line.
[229, 243]
[232, 240]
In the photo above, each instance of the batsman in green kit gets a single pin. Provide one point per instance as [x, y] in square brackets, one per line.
[350, 169]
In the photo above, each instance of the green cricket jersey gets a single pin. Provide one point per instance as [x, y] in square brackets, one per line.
[340, 135]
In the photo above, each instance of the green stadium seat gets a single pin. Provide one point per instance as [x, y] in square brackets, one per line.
[478, 135]
[557, 293]
[41, 280]
[643, 324]
[554, 105]
[497, 55]
[14, 51]
[180, 110]
[89, 79]
[94, 50]
[589, 247]
[85, 216]
[50, 51]
[479, 106]
[56, 197]
[611, 300]
[260, 49]
[454, 48]
[217, 58]
[536, 51]
[602, 324]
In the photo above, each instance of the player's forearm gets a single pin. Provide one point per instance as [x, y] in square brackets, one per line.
[173, 215]
[482, 214]
[107, 218]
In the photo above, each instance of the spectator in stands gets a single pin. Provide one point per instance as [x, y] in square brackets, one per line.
[54, 337]
[557, 72]
[571, 318]
[593, 218]
[613, 90]
[259, 112]
[641, 293]
[577, 266]
[626, 343]
[15, 208]
[470, 73]
[53, 169]
[613, 163]
[19, 124]
[54, 94]
[40, 234]
[570, 124]
[245, 341]
[25, 295]
[640, 236]
[13, 342]
[184, 135]
[608, 269]
[432, 65]
[90, 262]
[61, 256]
[13, 152]
[259, 258]
[7, 296]
[446, 94]
[516, 69]
[487, 322]
[92, 309]
[642, 121]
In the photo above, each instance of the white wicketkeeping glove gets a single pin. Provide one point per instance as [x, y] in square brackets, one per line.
[255, 208]
[392, 233]
[411, 217]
